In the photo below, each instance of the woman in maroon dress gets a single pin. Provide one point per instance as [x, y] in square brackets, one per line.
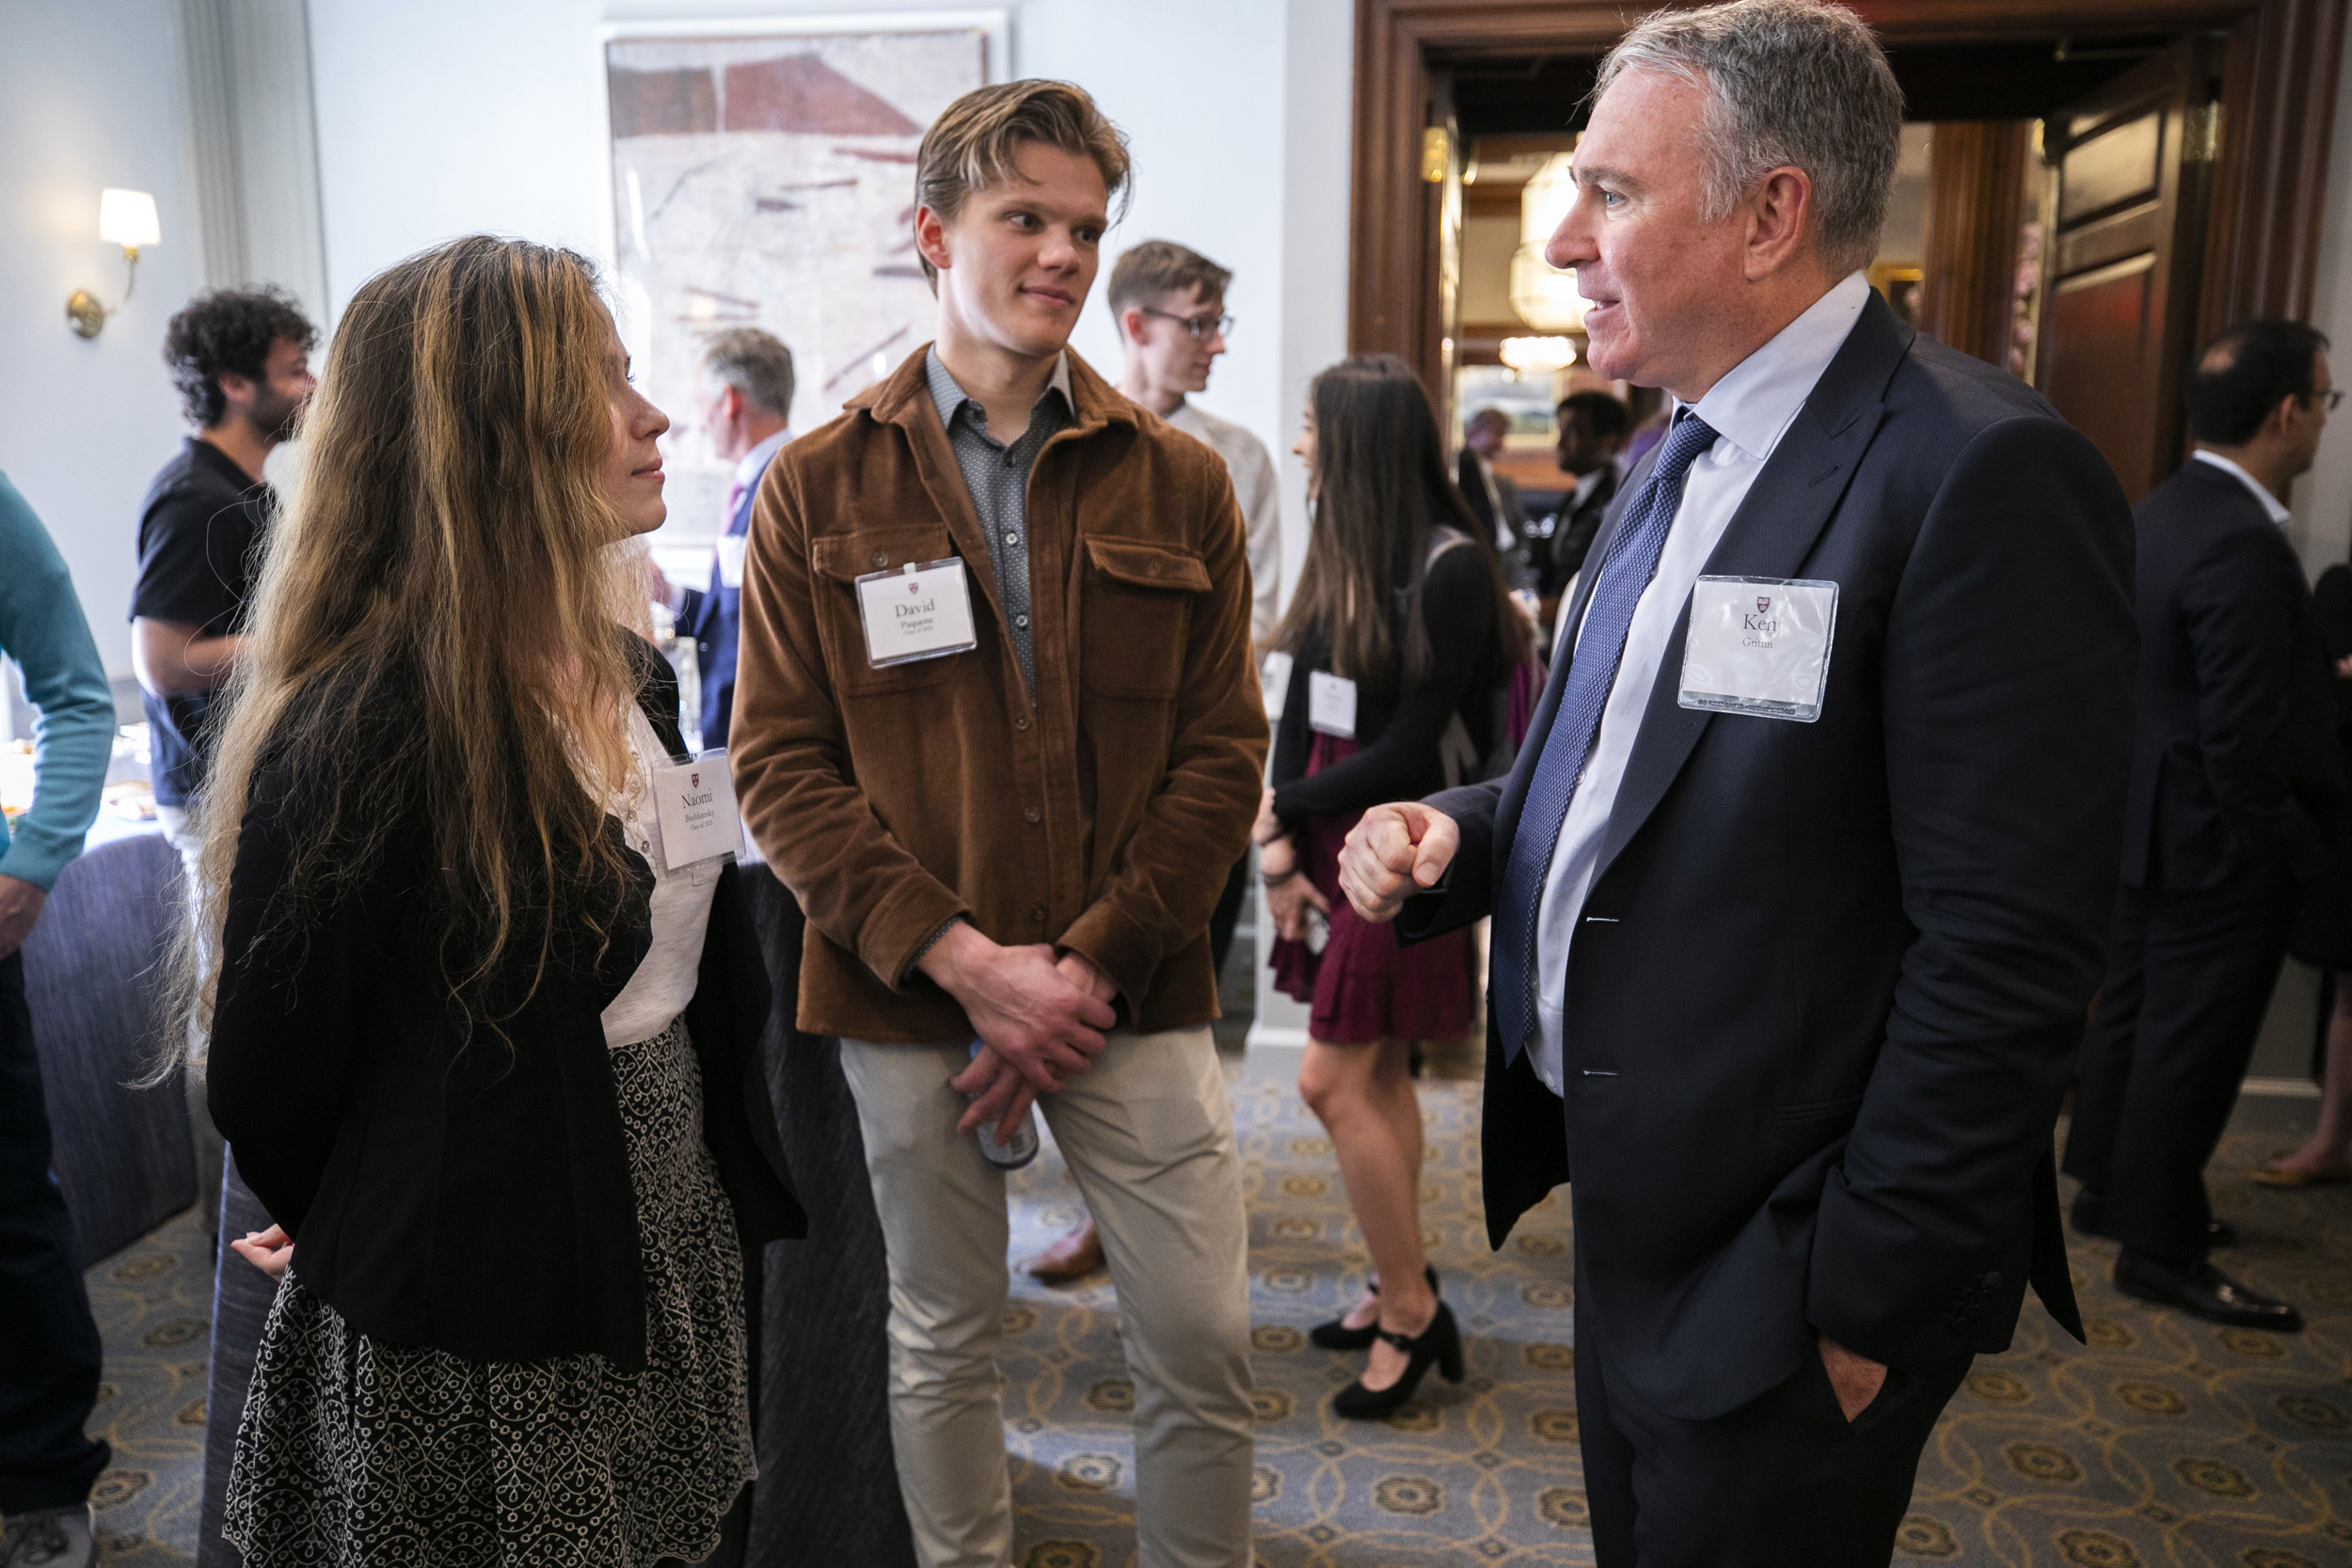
[1401, 639]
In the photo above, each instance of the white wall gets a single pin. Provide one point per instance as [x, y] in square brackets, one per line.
[89, 97]
[2323, 499]
[422, 137]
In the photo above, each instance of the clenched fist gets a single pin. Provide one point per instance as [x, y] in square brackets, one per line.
[1393, 853]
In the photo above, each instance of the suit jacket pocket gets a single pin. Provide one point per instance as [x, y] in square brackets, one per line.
[1806, 1109]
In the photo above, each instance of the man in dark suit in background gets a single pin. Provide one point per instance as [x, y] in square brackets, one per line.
[1593, 428]
[2236, 798]
[1794, 935]
[746, 404]
[1494, 499]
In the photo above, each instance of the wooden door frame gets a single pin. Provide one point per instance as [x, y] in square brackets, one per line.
[2262, 251]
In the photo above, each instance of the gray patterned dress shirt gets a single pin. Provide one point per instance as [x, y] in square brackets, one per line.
[997, 476]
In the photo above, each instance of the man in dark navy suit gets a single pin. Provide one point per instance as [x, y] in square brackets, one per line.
[2237, 800]
[746, 405]
[1801, 883]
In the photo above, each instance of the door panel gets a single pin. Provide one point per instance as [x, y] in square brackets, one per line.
[2116, 166]
[2127, 252]
[2107, 313]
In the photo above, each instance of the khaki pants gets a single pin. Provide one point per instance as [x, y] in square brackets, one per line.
[1150, 1140]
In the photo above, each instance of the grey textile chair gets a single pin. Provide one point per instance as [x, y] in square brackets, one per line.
[92, 972]
[828, 1487]
[241, 1300]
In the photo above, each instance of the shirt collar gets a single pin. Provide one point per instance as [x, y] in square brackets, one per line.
[755, 461]
[948, 396]
[1753, 404]
[1585, 486]
[2278, 514]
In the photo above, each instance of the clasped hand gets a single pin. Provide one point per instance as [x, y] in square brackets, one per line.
[1039, 1020]
[1393, 853]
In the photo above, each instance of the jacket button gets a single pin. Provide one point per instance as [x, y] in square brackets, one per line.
[1020, 721]
[1038, 914]
[881, 558]
[1030, 816]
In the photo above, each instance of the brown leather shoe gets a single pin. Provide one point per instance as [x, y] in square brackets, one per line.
[1072, 1257]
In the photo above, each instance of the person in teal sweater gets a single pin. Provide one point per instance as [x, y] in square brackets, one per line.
[49, 1368]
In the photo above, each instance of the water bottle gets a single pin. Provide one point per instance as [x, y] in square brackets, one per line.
[1019, 1152]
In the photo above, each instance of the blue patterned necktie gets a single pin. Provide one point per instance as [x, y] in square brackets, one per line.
[1623, 574]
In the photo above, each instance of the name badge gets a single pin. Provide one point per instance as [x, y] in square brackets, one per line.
[731, 559]
[924, 611]
[1331, 703]
[1759, 645]
[695, 802]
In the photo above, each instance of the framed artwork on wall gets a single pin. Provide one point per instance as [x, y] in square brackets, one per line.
[762, 175]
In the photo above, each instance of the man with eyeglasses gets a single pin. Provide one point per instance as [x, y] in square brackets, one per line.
[2237, 807]
[1170, 303]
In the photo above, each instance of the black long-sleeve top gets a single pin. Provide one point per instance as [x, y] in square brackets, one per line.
[467, 1193]
[1398, 732]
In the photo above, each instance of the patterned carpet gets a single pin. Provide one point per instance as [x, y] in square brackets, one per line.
[153, 1301]
[2165, 1443]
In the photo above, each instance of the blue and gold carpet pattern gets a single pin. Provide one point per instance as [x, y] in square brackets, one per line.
[2165, 1443]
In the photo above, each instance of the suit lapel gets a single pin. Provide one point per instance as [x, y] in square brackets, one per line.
[1769, 536]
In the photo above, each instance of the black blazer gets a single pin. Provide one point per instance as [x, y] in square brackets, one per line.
[1831, 977]
[2235, 771]
[1572, 536]
[479, 1200]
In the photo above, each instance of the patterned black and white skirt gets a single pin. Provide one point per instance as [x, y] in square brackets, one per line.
[356, 1452]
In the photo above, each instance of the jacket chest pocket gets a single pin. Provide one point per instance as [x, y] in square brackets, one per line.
[1135, 607]
[836, 561]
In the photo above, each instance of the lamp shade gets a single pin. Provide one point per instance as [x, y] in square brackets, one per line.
[128, 218]
[1545, 296]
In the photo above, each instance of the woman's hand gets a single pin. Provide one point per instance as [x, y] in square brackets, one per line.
[1288, 902]
[269, 1251]
[1268, 827]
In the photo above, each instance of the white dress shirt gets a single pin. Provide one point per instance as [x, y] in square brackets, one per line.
[1261, 497]
[2278, 514]
[1749, 410]
[664, 983]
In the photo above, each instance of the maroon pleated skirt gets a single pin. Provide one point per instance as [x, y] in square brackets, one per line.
[1363, 988]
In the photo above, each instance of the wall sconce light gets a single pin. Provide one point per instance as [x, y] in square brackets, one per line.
[1546, 354]
[128, 219]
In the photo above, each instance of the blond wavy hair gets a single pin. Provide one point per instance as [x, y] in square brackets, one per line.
[433, 636]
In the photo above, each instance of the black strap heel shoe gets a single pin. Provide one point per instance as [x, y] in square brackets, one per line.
[1336, 1335]
[1439, 1345]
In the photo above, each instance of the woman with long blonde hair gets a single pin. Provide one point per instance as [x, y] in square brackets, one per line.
[482, 1050]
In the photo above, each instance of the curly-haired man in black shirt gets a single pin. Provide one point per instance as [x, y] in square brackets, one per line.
[241, 360]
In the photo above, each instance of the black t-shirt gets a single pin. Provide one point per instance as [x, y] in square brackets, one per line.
[200, 530]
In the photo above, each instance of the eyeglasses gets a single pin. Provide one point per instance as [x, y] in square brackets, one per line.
[2330, 399]
[1197, 327]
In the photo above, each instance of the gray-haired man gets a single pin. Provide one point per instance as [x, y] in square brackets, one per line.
[745, 400]
[1801, 883]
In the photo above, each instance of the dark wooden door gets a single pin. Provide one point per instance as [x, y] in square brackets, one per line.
[2133, 166]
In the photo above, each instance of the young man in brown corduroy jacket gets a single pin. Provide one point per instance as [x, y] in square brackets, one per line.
[1010, 831]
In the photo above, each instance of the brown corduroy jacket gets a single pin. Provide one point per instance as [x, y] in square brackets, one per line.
[889, 800]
